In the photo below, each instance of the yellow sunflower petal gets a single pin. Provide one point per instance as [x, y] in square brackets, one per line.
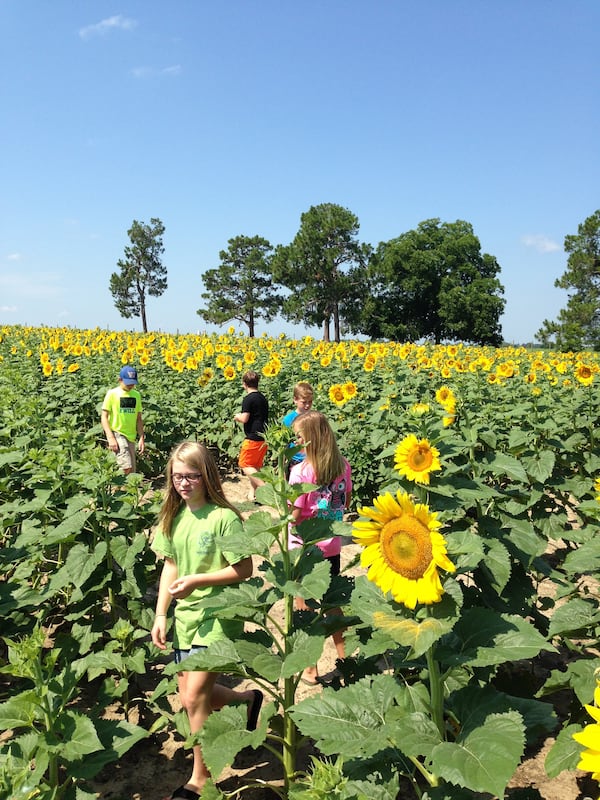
[403, 549]
[416, 460]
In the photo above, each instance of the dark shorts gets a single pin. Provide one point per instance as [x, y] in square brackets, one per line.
[336, 563]
[181, 655]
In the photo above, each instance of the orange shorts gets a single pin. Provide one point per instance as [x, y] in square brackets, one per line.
[252, 454]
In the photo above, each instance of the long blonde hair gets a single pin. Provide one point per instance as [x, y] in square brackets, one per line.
[322, 451]
[198, 457]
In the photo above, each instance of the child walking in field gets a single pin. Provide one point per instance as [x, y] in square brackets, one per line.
[303, 400]
[194, 518]
[324, 466]
[121, 419]
[253, 416]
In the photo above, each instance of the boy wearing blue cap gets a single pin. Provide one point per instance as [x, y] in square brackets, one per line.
[122, 419]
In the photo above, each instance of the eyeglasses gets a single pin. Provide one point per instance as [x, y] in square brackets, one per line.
[192, 477]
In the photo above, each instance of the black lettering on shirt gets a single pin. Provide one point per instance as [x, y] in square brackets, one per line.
[127, 405]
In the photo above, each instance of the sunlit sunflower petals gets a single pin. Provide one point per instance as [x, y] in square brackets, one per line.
[589, 737]
[416, 459]
[428, 518]
[382, 577]
[371, 515]
[590, 761]
[386, 507]
[365, 533]
[441, 557]
[370, 554]
[594, 712]
[403, 549]
[405, 592]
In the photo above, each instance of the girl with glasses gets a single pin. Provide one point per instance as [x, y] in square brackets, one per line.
[194, 518]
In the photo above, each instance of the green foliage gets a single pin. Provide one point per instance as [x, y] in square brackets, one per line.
[63, 744]
[578, 324]
[241, 287]
[444, 698]
[435, 283]
[322, 267]
[142, 272]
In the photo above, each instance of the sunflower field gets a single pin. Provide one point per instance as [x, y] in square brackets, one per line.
[476, 503]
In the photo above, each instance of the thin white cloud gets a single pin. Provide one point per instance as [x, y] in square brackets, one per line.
[117, 22]
[9, 309]
[174, 70]
[14, 257]
[30, 286]
[153, 72]
[541, 243]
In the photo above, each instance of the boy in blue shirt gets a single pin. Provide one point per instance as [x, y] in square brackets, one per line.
[303, 400]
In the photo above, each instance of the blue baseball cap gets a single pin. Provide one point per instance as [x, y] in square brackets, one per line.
[128, 375]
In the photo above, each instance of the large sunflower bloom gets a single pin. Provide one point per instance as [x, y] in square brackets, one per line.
[403, 549]
[416, 459]
[337, 395]
[350, 390]
[584, 374]
[445, 396]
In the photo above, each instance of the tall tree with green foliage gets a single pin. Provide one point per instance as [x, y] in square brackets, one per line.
[241, 287]
[142, 272]
[578, 324]
[321, 268]
[433, 283]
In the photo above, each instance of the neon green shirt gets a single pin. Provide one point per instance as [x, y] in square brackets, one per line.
[195, 547]
[123, 409]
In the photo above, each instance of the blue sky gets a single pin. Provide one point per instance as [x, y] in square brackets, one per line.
[234, 117]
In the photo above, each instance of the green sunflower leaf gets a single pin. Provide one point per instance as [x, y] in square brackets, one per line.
[486, 759]
[419, 636]
[482, 638]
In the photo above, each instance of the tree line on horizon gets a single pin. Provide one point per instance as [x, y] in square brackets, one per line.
[431, 283]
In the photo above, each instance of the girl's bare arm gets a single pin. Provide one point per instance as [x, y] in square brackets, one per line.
[234, 573]
[159, 629]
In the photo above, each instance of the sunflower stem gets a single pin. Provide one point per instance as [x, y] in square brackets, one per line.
[436, 692]
[431, 779]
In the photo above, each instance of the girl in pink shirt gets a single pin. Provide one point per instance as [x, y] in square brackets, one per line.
[324, 466]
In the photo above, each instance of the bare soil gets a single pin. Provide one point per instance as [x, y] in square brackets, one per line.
[157, 765]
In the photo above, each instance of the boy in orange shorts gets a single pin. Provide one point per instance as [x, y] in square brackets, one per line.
[253, 416]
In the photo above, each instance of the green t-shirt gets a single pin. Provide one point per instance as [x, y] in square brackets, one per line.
[195, 547]
[123, 409]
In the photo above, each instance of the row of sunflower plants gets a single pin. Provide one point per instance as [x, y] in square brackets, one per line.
[498, 447]
[74, 576]
[191, 384]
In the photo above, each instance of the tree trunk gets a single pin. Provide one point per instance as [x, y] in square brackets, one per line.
[336, 323]
[326, 329]
[143, 314]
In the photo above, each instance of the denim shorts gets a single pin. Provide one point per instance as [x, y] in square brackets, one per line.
[181, 655]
